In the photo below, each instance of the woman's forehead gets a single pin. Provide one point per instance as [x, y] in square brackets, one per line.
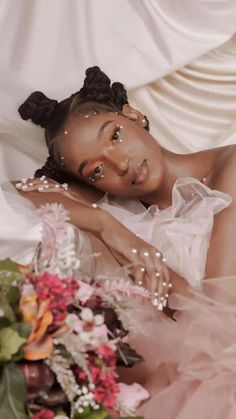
[82, 135]
[78, 131]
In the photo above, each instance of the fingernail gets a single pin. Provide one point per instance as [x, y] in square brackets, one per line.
[41, 188]
[18, 185]
[24, 187]
[24, 180]
[31, 184]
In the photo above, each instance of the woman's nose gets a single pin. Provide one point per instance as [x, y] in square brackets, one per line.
[120, 163]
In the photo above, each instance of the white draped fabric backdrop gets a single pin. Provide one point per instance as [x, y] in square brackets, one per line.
[176, 57]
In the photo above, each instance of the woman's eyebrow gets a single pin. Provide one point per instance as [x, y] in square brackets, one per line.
[82, 166]
[103, 127]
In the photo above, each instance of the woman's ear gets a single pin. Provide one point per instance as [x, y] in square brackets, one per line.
[134, 115]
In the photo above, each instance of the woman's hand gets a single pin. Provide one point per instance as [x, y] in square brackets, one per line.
[146, 263]
[47, 185]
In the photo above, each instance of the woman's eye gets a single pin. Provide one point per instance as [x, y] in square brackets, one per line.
[97, 171]
[116, 134]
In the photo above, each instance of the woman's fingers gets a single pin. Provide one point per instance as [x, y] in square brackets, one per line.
[41, 184]
[157, 277]
[139, 275]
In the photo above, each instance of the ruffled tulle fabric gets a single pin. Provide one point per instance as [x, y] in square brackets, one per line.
[190, 362]
[182, 231]
[21, 229]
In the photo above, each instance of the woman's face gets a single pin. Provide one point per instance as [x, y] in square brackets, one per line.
[112, 153]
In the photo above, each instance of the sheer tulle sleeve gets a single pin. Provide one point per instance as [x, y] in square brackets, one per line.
[182, 231]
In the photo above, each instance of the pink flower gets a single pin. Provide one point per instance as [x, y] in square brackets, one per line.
[107, 354]
[84, 292]
[44, 414]
[130, 397]
[100, 331]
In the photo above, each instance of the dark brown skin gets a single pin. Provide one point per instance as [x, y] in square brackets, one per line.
[117, 161]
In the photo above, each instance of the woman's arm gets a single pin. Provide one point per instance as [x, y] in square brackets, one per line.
[129, 250]
[221, 258]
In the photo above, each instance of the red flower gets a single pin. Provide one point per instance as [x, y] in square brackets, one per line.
[44, 414]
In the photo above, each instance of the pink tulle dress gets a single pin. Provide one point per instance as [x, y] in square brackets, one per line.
[190, 362]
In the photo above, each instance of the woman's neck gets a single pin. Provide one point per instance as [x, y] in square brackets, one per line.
[197, 165]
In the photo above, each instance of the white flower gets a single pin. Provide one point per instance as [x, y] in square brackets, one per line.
[74, 323]
[86, 337]
[99, 319]
[87, 314]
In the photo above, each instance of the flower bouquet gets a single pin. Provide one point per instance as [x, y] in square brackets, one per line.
[61, 338]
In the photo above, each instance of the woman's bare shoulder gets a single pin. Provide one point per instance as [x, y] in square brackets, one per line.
[224, 178]
[221, 253]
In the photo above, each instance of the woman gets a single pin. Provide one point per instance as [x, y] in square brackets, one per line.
[96, 138]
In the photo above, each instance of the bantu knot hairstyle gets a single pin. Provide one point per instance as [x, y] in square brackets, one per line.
[51, 115]
[39, 108]
[97, 87]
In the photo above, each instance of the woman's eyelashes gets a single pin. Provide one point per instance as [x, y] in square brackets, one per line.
[116, 134]
[97, 173]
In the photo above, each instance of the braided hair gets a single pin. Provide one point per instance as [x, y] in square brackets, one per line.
[50, 114]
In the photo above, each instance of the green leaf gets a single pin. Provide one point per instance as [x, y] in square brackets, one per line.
[89, 413]
[13, 295]
[9, 273]
[10, 343]
[7, 309]
[8, 265]
[23, 329]
[127, 356]
[13, 393]
[4, 322]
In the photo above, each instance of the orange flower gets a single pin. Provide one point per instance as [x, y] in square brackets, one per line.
[39, 343]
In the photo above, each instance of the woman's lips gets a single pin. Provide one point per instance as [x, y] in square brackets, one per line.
[141, 173]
